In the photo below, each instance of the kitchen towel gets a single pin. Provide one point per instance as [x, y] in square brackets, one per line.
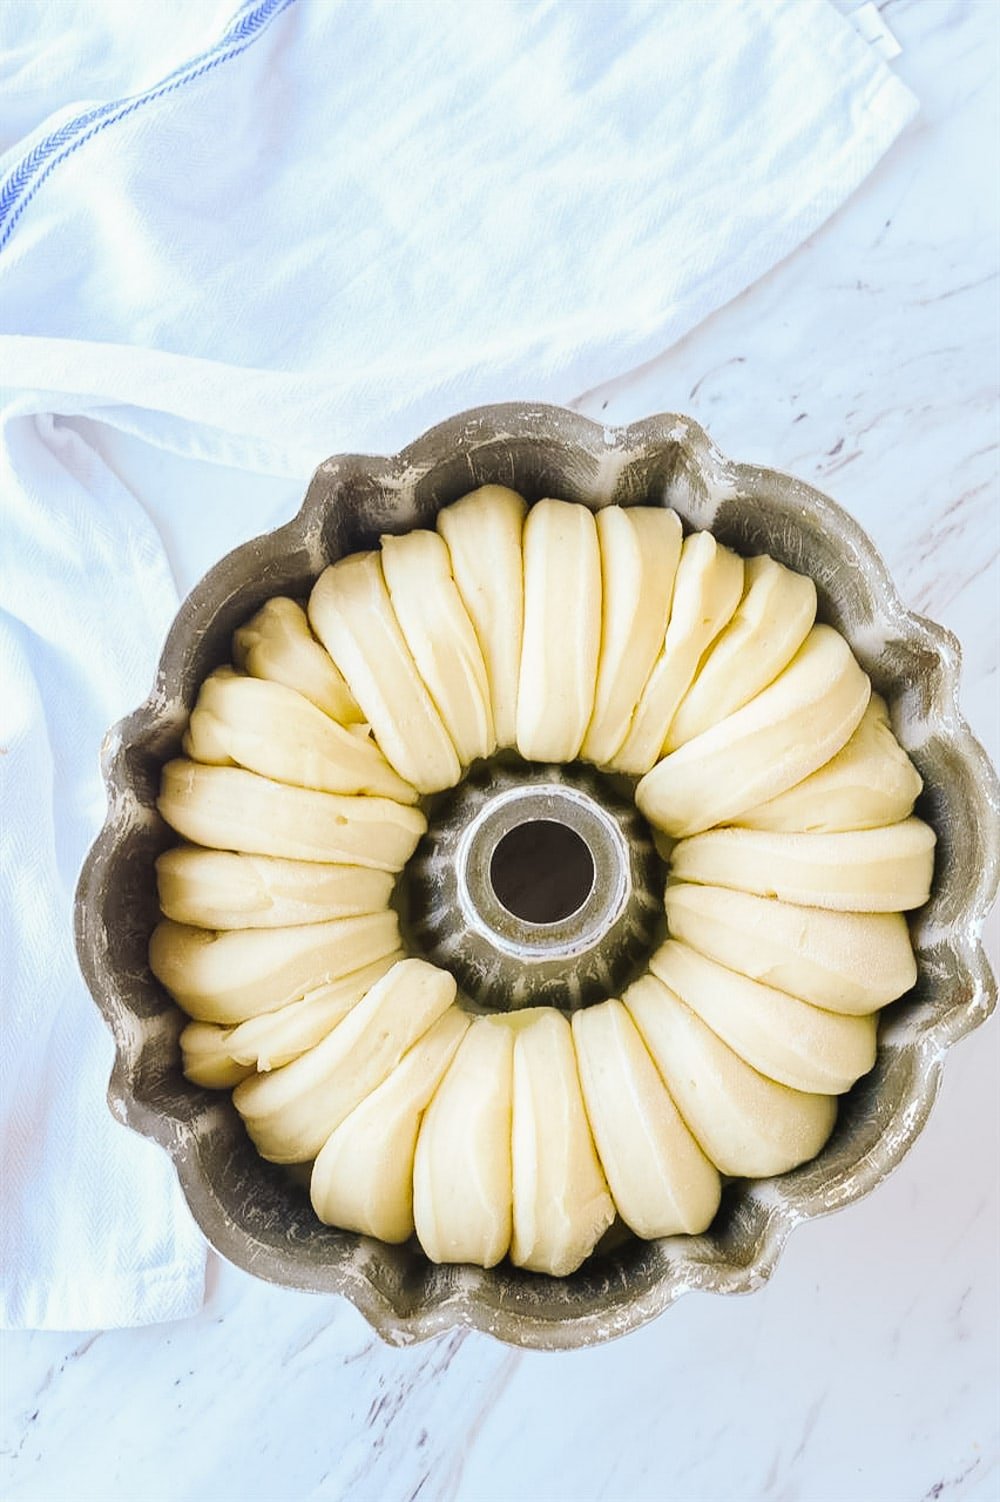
[328, 226]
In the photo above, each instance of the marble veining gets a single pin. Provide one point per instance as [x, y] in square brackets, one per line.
[868, 1367]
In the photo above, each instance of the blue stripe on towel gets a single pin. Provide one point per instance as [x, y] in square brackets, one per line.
[20, 186]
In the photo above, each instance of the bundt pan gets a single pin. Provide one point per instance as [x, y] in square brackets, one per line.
[259, 1216]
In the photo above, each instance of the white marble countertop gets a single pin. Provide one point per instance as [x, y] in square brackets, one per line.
[868, 1368]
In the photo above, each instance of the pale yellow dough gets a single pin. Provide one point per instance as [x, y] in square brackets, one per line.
[660, 1179]
[746, 1124]
[462, 1194]
[865, 870]
[222, 889]
[363, 1177]
[562, 631]
[278, 645]
[772, 621]
[230, 976]
[231, 809]
[707, 590]
[291, 1112]
[206, 1057]
[782, 735]
[272, 1039]
[870, 782]
[483, 533]
[562, 1206]
[351, 613]
[275, 731]
[441, 638]
[846, 962]
[640, 550]
[774, 788]
[788, 1040]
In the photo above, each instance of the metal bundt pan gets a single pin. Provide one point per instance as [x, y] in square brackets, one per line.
[256, 1215]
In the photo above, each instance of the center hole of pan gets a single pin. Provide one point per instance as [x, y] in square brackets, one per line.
[542, 871]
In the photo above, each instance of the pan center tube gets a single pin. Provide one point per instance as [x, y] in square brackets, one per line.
[535, 885]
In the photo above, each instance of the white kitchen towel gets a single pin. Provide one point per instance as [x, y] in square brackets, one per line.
[332, 225]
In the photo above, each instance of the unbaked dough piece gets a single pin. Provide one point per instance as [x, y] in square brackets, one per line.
[707, 590]
[661, 1181]
[483, 532]
[441, 638]
[462, 1193]
[562, 631]
[562, 1206]
[271, 729]
[870, 782]
[802, 1046]
[277, 644]
[363, 1177]
[862, 870]
[772, 621]
[230, 976]
[747, 1125]
[792, 727]
[846, 962]
[227, 808]
[272, 1039]
[223, 889]
[291, 1112]
[206, 1058]
[640, 551]
[351, 613]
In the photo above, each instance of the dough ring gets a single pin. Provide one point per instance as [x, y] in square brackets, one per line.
[550, 867]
